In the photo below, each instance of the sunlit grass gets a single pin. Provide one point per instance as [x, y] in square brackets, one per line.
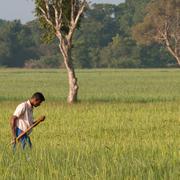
[126, 125]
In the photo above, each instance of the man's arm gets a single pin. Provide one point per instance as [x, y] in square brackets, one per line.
[13, 127]
[20, 109]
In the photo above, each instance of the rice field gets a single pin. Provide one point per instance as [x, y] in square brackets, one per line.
[125, 126]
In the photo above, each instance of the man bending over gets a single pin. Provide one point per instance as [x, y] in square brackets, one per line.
[22, 119]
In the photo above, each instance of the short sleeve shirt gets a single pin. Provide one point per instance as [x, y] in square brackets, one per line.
[24, 113]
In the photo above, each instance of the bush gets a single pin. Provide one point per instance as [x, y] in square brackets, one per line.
[44, 62]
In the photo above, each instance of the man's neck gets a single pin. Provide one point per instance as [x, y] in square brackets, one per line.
[31, 103]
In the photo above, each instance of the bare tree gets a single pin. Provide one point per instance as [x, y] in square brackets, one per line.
[162, 25]
[61, 17]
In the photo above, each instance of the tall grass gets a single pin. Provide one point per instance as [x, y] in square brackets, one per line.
[125, 127]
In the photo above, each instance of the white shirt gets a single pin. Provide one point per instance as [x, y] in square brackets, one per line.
[24, 113]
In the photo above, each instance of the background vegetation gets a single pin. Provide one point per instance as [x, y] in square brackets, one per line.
[104, 40]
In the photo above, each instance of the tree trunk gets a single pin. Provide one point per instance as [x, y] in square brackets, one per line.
[172, 51]
[174, 54]
[73, 85]
[178, 60]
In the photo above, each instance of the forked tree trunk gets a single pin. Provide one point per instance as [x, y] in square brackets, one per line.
[53, 13]
[73, 84]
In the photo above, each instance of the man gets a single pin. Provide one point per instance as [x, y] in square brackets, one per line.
[22, 118]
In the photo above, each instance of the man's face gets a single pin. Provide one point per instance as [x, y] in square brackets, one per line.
[36, 102]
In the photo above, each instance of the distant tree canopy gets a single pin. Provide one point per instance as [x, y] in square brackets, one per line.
[161, 25]
[103, 40]
[15, 44]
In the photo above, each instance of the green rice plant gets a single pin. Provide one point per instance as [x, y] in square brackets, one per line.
[126, 125]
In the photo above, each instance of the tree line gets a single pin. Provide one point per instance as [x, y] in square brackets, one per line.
[108, 36]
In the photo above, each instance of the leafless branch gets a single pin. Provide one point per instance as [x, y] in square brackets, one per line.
[44, 15]
[47, 8]
[75, 18]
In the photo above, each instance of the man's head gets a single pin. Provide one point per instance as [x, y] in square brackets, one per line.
[36, 99]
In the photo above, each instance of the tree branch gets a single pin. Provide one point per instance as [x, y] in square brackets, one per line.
[72, 10]
[81, 10]
[45, 16]
[47, 8]
[57, 18]
[74, 20]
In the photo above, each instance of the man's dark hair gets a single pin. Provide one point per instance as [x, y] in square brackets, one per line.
[38, 96]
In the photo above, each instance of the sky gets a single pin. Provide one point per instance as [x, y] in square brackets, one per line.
[23, 9]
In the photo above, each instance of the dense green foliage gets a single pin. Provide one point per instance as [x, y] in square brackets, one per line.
[104, 39]
[125, 127]
[15, 44]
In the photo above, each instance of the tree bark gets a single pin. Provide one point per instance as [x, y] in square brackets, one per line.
[175, 54]
[73, 86]
[178, 60]
[55, 20]
[73, 83]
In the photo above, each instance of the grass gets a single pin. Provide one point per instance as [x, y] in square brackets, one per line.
[126, 125]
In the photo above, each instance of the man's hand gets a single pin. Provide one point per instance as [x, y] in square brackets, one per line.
[42, 118]
[13, 141]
